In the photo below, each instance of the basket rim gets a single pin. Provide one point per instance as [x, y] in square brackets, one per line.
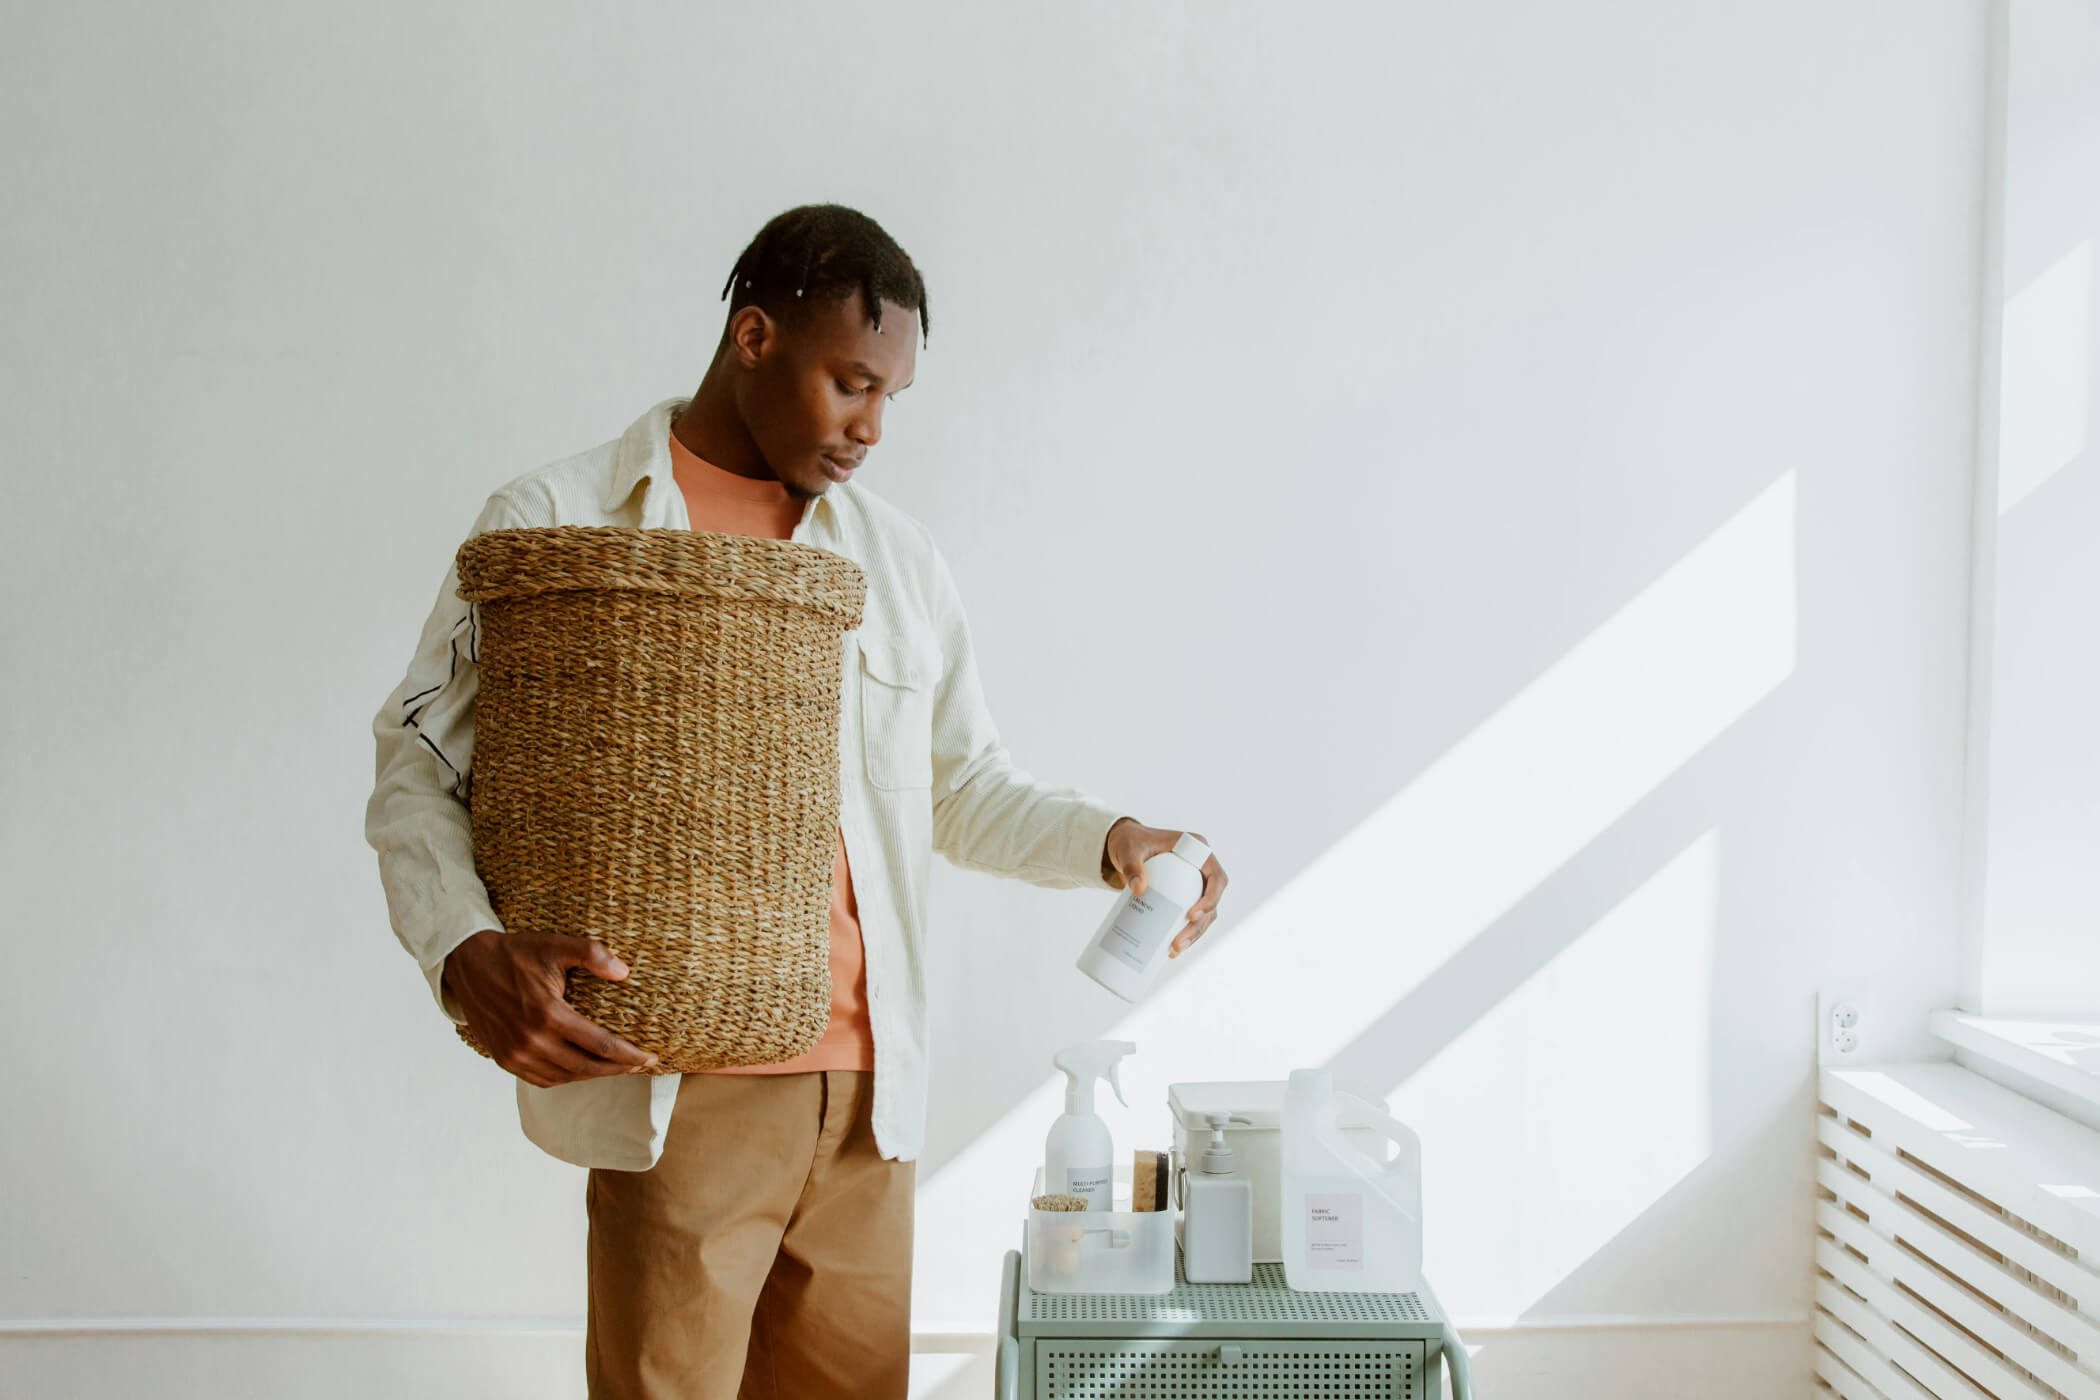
[529, 561]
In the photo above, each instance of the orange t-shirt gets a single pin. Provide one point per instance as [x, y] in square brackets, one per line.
[727, 504]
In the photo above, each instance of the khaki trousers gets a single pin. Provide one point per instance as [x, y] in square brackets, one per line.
[766, 1254]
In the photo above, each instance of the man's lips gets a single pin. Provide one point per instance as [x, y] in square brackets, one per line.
[840, 470]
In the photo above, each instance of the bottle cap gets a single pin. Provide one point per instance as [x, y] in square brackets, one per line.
[1191, 849]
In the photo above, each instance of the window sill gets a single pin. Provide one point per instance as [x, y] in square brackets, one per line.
[2061, 1056]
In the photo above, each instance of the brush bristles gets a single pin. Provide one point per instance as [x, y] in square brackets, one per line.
[1057, 1200]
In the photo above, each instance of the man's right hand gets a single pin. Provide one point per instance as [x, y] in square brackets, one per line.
[510, 987]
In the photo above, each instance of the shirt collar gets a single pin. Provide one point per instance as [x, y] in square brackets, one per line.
[643, 456]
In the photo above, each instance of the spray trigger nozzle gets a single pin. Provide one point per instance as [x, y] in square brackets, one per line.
[1084, 1063]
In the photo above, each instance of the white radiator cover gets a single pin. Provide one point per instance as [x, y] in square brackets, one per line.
[1958, 1240]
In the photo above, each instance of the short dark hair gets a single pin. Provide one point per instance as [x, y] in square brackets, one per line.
[818, 253]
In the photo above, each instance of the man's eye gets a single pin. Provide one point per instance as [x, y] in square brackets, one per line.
[844, 387]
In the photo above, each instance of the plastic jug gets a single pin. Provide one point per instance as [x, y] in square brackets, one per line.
[1352, 1222]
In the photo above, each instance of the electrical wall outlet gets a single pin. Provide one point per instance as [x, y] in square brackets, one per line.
[1841, 1029]
[1844, 1028]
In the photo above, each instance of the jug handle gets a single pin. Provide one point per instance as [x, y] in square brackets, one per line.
[1395, 1129]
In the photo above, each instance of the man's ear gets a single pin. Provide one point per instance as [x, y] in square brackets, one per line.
[752, 333]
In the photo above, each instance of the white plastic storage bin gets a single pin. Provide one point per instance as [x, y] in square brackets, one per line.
[1257, 1146]
[1100, 1251]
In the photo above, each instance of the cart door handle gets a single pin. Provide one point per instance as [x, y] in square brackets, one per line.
[1229, 1355]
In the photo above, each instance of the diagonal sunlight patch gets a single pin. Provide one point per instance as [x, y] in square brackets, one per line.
[1303, 973]
[2043, 416]
[1560, 1116]
[1905, 1100]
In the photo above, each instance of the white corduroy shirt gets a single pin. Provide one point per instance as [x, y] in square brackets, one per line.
[921, 769]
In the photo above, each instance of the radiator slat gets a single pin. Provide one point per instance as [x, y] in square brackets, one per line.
[1958, 1239]
[1843, 1379]
[1893, 1175]
[1889, 1340]
[1879, 1373]
[2023, 1158]
[1890, 1261]
[1891, 1220]
[1986, 1368]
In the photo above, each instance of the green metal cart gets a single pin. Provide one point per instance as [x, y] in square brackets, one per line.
[1253, 1341]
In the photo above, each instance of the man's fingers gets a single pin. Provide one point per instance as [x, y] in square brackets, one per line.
[1204, 912]
[559, 1062]
[1213, 893]
[589, 954]
[594, 1040]
[562, 1061]
[605, 963]
[1196, 929]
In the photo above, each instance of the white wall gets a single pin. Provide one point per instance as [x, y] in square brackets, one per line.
[1500, 471]
[2035, 951]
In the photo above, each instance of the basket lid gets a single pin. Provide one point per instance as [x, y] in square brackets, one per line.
[520, 563]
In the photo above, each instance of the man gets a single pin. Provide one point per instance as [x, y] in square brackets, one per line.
[750, 1229]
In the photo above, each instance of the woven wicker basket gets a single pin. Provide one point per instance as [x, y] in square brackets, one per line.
[656, 765]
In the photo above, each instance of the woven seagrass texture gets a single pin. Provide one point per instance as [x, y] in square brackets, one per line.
[656, 765]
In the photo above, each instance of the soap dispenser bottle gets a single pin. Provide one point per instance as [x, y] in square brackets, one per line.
[1217, 1214]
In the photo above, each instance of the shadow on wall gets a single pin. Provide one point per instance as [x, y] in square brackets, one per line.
[1541, 909]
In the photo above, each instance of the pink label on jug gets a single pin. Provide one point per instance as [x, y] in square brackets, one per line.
[1334, 1230]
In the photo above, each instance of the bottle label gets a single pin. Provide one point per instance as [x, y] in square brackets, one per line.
[1140, 926]
[1094, 1183]
[1334, 1230]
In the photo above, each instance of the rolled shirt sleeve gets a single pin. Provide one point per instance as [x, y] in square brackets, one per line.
[988, 814]
[416, 820]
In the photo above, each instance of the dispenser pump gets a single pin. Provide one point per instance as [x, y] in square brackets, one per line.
[1217, 1158]
[1087, 1061]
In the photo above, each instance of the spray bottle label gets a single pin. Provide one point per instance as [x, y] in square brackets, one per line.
[1135, 935]
[1334, 1230]
[1094, 1183]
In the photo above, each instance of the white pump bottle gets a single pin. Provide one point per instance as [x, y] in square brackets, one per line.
[1217, 1214]
[1079, 1155]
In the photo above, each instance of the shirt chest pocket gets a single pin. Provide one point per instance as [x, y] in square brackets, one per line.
[896, 712]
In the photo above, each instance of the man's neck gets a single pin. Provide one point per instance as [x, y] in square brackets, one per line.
[711, 430]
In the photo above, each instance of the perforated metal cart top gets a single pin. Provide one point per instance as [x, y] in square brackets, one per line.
[1253, 1341]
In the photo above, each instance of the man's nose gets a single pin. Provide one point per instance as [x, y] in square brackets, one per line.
[866, 428]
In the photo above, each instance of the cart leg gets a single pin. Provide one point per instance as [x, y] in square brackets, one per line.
[1461, 1364]
[1453, 1349]
[1006, 1373]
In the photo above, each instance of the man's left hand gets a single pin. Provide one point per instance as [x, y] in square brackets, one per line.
[1131, 843]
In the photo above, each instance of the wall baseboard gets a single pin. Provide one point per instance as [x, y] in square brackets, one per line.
[1733, 1357]
[959, 1339]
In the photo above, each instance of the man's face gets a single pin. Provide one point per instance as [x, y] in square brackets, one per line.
[814, 396]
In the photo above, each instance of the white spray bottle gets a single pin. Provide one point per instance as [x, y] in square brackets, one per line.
[1079, 1155]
